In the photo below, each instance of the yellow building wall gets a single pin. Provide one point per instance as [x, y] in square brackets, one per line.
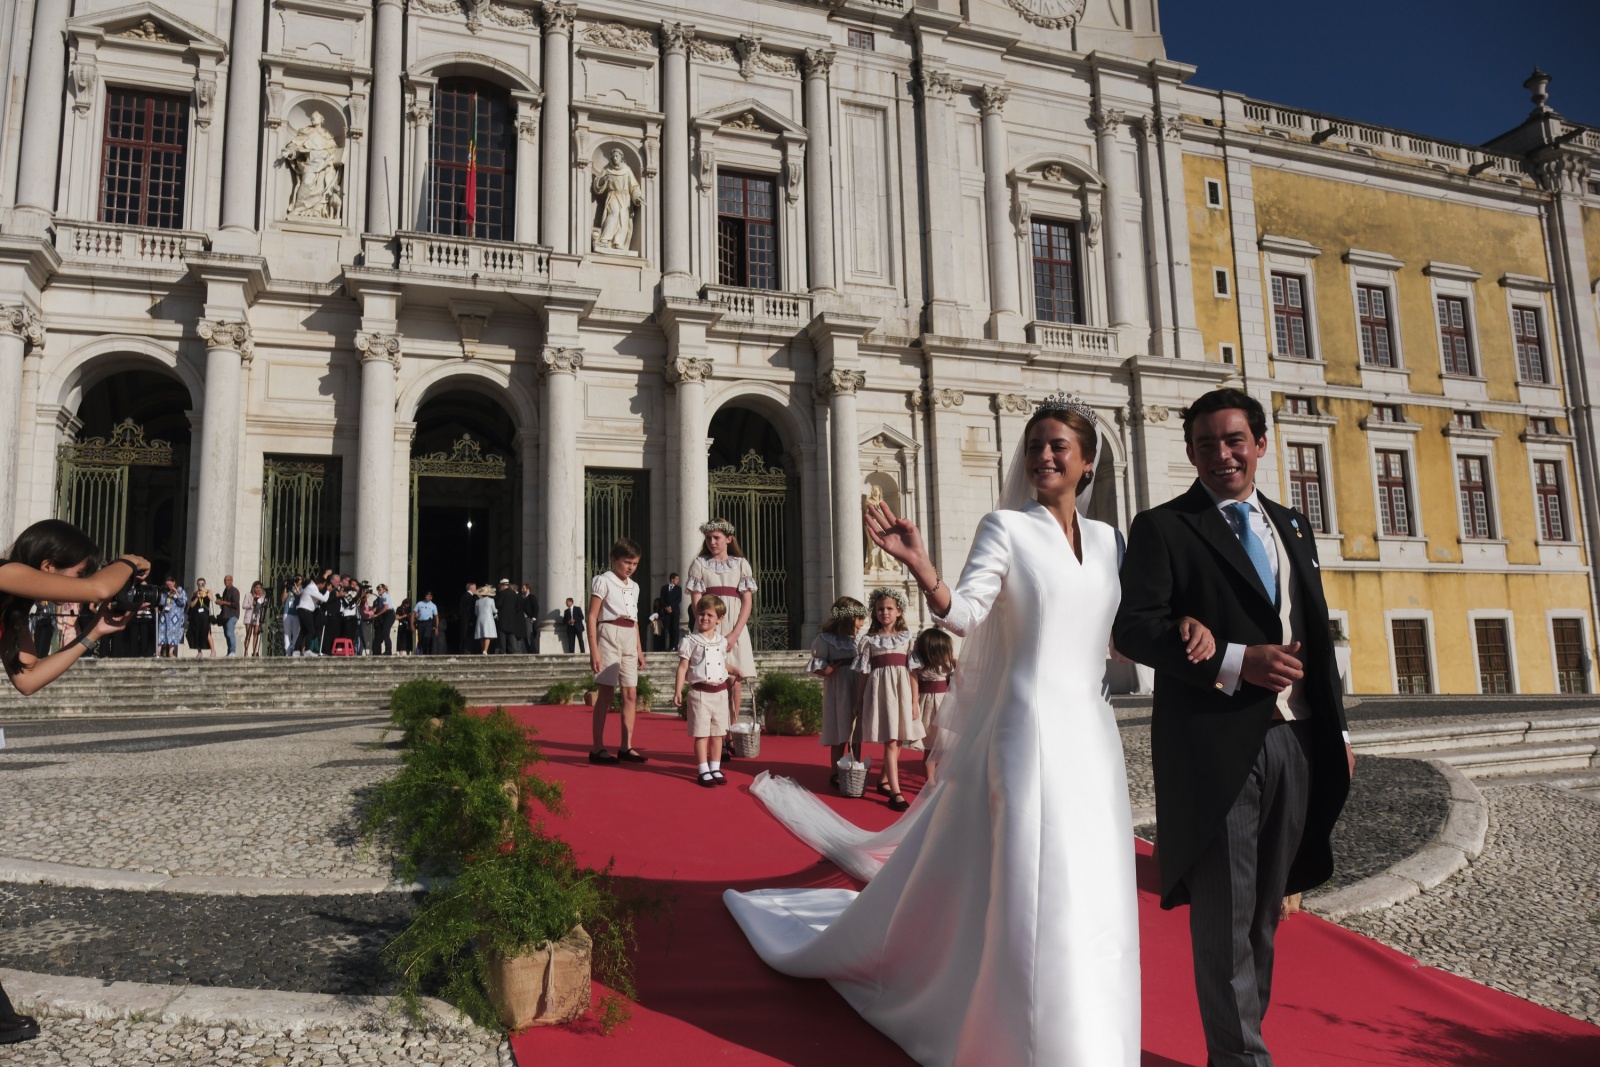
[1337, 216]
[1368, 595]
[1211, 245]
[1591, 240]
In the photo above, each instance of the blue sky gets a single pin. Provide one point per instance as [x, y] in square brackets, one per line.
[1447, 68]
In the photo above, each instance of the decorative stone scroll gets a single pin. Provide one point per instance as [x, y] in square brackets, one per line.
[841, 383]
[556, 360]
[992, 99]
[1012, 404]
[935, 84]
[1050, 14]
[676, 37]
[619, 36]
[558, 17]
[946, 398]
[219, 333]
[1103, 119]
[747, 52]
[19, 321]
[375, 344]
[689, 369]
[816, 62]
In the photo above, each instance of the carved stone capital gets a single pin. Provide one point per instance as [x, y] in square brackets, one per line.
[375, 344]
[1170, 127]
[935, 84]
[917, 400]
[1106, 119]
[689, 369]
[420, 114]
[554, 360]
[1012, 404]
[840, 383]
[19, 321]
[219, 333]
[1152, 413]
[946, 398]
[528, 127]
[675, 38]
[992, 99]
[558, 17]
[816, 62]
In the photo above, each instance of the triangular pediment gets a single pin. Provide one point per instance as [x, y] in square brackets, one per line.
[753, 116]
[885, 436]
[145, 23]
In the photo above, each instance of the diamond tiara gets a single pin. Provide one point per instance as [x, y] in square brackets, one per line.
[1066, 402]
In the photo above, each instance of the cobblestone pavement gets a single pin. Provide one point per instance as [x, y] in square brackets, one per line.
[1525, 916]
[123, 1043]
[269, 798]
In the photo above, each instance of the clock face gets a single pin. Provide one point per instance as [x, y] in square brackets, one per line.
[1052, 14]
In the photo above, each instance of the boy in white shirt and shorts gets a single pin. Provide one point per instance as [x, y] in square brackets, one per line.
[703, 664]
[615, 653]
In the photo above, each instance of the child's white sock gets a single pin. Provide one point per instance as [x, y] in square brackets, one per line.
[715, 765]
[705, 768]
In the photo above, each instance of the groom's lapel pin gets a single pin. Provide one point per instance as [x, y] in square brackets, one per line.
[1296, 524]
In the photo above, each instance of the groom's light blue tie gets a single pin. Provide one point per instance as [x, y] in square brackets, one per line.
[1239, 511]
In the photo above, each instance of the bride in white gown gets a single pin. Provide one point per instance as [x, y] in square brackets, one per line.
[999, 925]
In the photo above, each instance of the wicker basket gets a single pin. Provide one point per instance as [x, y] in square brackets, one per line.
[853, 777]
[746, 739]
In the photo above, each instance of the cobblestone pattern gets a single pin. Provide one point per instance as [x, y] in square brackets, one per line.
[68, 1042]
[1395, 807]
[1525, 916]
[1136, 754]
[248, 808]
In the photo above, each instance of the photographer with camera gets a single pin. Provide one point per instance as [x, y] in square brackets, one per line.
[54, 560]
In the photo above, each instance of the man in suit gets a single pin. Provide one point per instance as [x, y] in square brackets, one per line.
[1252, 760]
[671, 612]
[508, 612]
[467, 618]
[572, 615]
[529, 606]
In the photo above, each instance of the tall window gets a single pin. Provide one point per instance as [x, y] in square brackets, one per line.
[1547, 500]
[1453, 335]
[1494, 656]
[1289, 315]
[1411, 674]
[146, 142]
[1473, 486]
[1377, 329]
[1572, 674]
[1055, 273]
[474, 161]
[747, 233]
[1394, 494]
[1530, 345]
[1305, 484]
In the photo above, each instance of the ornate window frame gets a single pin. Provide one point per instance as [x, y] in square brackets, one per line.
[1059, 187]
[749, 136]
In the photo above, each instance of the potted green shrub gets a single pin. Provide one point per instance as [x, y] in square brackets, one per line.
[791, 705]
[566, 691]
[417, 704]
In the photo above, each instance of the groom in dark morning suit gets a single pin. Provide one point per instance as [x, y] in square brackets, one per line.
[1252, 760]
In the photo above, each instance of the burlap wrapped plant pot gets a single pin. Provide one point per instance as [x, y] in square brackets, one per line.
[543, 986]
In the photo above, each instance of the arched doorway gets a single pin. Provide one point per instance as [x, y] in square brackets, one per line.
[755, 486]
[466, 516]
[125, 477]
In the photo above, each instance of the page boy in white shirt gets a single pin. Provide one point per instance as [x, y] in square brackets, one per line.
[703, 663]
[615, 652]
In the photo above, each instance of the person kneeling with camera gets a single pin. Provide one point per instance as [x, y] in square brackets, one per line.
[54, 560]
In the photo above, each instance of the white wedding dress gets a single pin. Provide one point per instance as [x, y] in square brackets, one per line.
[999, 925]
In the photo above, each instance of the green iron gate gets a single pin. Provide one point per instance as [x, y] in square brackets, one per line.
[464, 460]
[299, 530]
[616, 503]
[92, 482]
[755, 498]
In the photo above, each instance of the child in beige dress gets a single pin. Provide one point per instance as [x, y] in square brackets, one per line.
[833, 657]
[889, 711]
[703, 664]
[936, 654]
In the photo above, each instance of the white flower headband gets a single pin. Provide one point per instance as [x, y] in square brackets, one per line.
[893, 594]
[849, 612]
[717, 526]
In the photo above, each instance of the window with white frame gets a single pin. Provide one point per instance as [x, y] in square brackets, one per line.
[1541, 425]
[1472, 486]
[1386, 413]
[1548, 501]
[1394, 493]
[1213, 193]
[1221, 284]
[1376, 326]
[862, 39]
[1289, 333]
[1299, 405]
[1306, 493]
[1529, 339]
[1466, 420]
[1228, 353]
[1455, 345]
[1493, 639]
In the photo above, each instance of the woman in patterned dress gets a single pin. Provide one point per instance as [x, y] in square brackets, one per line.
[170, 622]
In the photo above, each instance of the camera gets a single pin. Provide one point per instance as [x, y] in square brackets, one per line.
[134, 594]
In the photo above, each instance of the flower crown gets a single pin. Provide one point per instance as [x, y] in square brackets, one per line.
[893, 594]
[848, 612]
[717, 526]
[1066, 402]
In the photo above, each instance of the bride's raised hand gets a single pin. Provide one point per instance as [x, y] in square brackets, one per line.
[898, 537]
[1197, 639]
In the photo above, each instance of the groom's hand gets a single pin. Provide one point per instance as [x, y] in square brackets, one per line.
[1274, 667]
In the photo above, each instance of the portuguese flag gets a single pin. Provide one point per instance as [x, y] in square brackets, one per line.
[472, 172]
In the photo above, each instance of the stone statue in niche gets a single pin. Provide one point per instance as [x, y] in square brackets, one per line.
[618, 193]
[878, 561]
[317, 163]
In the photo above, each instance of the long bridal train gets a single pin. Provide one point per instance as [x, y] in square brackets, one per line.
[999, 922]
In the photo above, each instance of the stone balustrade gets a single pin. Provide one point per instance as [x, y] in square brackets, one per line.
[761, 306]
[104, 243]
[1078, 340]
[465, 257]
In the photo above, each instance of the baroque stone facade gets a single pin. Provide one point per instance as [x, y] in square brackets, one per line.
[818, 241]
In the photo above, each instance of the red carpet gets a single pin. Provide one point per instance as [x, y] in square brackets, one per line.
[1339, 999]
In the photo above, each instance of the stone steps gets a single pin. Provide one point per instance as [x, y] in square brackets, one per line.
[1538, 746]
[1586, 782]
[321, 684]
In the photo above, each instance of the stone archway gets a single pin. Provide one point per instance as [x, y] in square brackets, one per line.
[755, 484]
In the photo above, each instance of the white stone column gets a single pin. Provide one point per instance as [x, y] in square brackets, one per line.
[19, 328]
[1159, 275]
[420, 115]
[819, 170]
[1120, 259]
[563, 480]
[527, 217]
[844, 450]
[943, 222]
[675, 240]
[383, 147]
[228, 345]
[1167, 135]
[1004, 303]
[380, 361]
[688, 376]
[241, 144]
[41, 116]
[555, 170]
